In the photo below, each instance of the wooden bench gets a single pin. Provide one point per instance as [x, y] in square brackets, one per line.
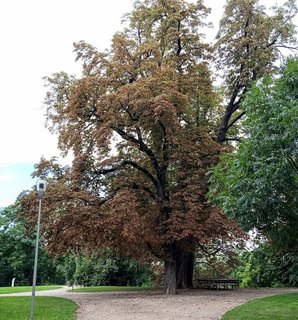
[217, 283]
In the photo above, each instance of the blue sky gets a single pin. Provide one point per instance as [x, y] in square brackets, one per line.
[37, 40]
[14, 179]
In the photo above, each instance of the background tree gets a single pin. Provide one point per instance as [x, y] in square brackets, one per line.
[17, 253]
[248, 44]
[140, 123]
[104, 268]
[265, 266]
[17, 259]
[258, 185]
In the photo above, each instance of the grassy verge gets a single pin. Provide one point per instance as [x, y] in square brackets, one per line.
[4, 290]
[280, 307]
[108, 289]
[46, 308]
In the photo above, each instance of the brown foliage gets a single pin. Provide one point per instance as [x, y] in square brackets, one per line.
[148, 190]
[140, 123]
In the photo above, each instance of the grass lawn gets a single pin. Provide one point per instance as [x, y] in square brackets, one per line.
[4, 290]
[46, 308]
[107, 289]
[281, 307]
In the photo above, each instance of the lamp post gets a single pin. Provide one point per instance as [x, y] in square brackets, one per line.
[41, 188]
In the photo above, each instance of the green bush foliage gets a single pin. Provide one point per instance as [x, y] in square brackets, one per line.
[264, 267]
[17, 254]
[17, 258]
[112, 270]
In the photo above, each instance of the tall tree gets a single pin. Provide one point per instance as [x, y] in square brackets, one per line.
[258, 186]
[140, 123]
[248, 44]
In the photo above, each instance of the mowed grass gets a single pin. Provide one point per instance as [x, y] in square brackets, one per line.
[281, 307]
[46, 308]
[4, 290]
[107, 289]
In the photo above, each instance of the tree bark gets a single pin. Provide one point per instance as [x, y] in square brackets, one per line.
[170, 285]
[179, 269]
[185, 271]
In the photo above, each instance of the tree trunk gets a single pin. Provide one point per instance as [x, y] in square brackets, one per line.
[179, 267]
[170, 282]
[185, 271]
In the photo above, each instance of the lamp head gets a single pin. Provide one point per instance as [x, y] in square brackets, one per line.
[41, 187]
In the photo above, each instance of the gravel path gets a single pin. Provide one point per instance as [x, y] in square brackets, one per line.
[154, 305]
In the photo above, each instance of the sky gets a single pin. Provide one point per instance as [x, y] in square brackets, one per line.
[37, 40]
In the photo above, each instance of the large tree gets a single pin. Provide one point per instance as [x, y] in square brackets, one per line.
[142, 124]
[258, 186]
[248, 44]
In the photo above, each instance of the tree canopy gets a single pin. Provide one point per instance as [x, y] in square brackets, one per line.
[143, 124]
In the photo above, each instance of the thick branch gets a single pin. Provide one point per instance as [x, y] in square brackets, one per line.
[165, 145]
[179, 43]
[121, 165]
[141, 146]
[143, 170]
[136, 186]
[151, 249]
[204, 249]
[236, 119]
[229, 111]
[232, 107]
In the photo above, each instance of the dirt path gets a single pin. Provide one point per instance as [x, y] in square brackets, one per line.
[154, 305]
